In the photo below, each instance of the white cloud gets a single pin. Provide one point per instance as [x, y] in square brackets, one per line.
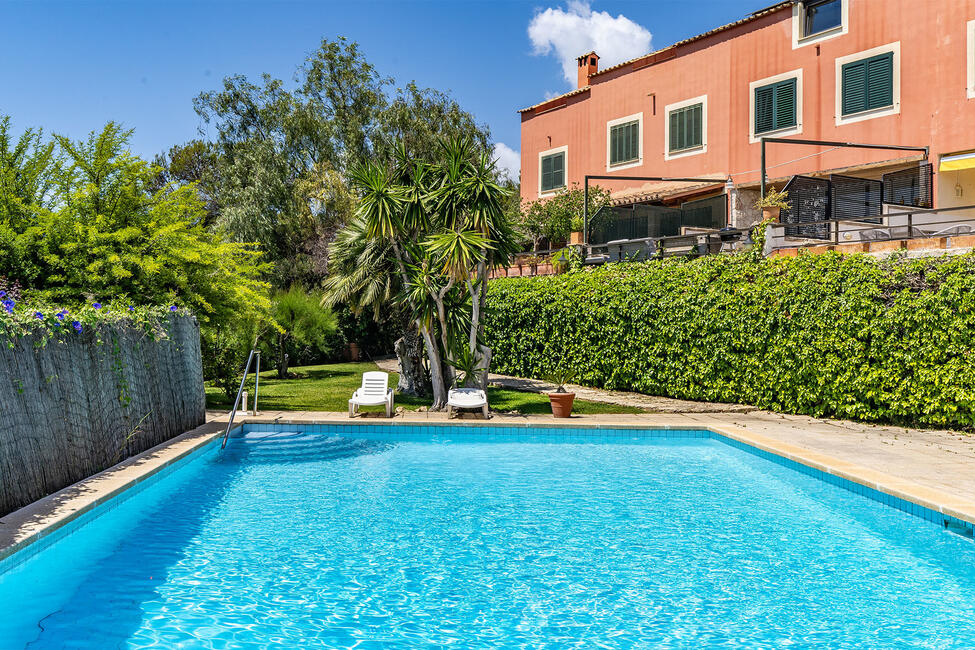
[573, 31]
[508, 160]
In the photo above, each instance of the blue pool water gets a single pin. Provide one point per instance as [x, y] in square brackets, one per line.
[312, 540]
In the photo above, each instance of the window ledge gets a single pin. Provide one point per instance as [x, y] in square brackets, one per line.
[624, 165]
[683, 153]
[778, 133]
[883, 111]
[818, 36]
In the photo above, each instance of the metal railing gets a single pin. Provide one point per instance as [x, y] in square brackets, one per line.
[914, 224]
[257, 382]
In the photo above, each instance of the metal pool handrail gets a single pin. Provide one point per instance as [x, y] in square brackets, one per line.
[257, 379]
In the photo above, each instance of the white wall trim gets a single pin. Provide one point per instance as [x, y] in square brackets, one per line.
[703, 100]
[636, 117]
[798, 40]
[564, 149]
[970, 55]
[877, 112]
[792, 130]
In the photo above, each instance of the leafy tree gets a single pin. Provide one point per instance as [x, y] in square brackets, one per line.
[197, 163]
[555, 217]
[300, 320]
[99, 230]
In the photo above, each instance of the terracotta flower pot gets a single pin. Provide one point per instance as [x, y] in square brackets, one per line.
[771, 213]
[575, 237]
[561, 404]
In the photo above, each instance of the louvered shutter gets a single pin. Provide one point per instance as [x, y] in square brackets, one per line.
[764, 109]
[854, 79]
[558, 170]
[785, 104]
[880, 81]
[675, 131]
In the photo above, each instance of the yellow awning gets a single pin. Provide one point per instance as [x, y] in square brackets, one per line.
[958, 161]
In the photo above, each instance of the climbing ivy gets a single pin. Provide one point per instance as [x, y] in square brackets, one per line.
[889, 340]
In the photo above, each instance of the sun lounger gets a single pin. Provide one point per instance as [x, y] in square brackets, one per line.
[375, 391]
[467, 398]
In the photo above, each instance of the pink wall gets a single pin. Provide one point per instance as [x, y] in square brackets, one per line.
[934, 106]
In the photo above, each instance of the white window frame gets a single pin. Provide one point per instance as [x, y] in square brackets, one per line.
[636, 117]
[778, 133]
[894, 109]
[668, 109]
[564, 149]
[798, 40]
[970, 54]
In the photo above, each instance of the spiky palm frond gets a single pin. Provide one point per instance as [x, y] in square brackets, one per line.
[381, 201]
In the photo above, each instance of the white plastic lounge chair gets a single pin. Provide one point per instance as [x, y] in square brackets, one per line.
[375, 390]
[467, 398]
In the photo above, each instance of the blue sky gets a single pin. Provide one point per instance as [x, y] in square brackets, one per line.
[71, 66]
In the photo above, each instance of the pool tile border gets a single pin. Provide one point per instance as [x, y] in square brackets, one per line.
[27, 531]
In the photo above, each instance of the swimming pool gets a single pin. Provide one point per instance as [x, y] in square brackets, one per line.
[413, 537]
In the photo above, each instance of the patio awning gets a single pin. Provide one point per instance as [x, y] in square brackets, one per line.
[957, 162]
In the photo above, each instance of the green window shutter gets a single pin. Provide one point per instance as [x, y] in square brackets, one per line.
[624, 143]
[868, 84]
[880, 81]
[775, 106]
[686, 127]
[558, 170]
[764, 109]
[675, 131]
[785, 104]
[553, 171]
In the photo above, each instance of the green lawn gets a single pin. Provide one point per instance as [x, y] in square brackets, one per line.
[329, 387]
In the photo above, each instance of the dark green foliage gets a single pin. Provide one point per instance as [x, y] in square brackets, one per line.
[823, 335]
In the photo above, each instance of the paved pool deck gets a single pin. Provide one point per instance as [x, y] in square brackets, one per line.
[930, 468]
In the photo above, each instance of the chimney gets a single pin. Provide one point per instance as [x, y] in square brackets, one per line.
[588, 64]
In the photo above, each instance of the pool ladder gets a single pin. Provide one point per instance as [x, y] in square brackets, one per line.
[255, 354]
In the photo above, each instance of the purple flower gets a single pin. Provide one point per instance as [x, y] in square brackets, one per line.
[131, 308]
[3, 294]
[96, 305]
[8, 304]
[61, 314]
[76, 325]
[172, 308]
[38, 315]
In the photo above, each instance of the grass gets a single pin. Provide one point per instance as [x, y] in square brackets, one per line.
[329, 387]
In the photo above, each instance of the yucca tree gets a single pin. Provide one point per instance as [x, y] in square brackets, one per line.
[444, 225]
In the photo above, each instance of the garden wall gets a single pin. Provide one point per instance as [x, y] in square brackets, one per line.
[826, 335]
[70, 408]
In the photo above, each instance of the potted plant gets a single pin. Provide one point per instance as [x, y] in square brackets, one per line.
[772, 204]
[561, 399]
[575, 235]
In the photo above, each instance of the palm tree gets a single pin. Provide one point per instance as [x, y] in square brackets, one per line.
[428, 233]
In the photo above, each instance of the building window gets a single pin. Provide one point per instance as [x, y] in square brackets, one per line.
[820, 16]
[775, 106]
[814, 21]
[552, 171]
[686, 128]
[868, 84]
[624, 143]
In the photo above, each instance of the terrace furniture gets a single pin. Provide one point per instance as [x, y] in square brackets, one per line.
[467, 398]
[374, 391]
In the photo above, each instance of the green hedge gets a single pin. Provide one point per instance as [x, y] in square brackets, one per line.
[825, 335]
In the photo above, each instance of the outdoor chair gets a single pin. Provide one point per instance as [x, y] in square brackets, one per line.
[374, 391]
[467, 398]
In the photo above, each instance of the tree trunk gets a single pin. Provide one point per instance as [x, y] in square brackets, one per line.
[413, 378]
[436, 371]
[282, 358]
[484, 367]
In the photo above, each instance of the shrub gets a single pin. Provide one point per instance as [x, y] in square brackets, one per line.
[824, 335]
